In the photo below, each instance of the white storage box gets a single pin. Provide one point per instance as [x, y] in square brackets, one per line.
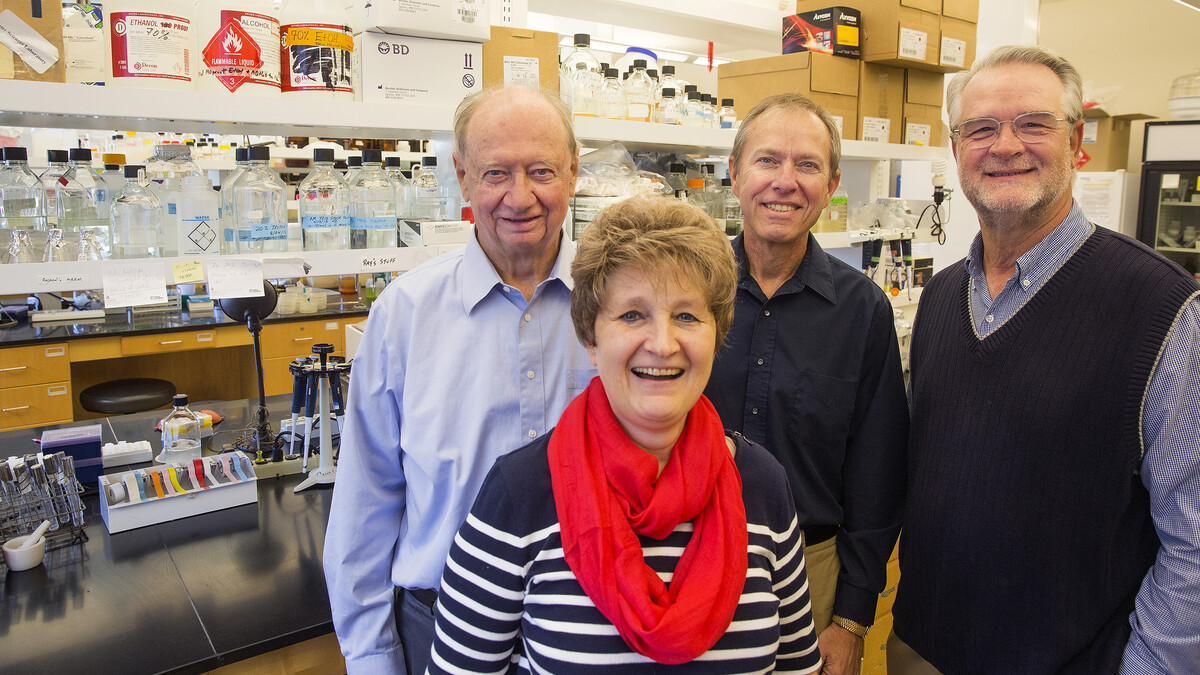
[223, 488]
[415, 71]
[437, 233]
[469, 20]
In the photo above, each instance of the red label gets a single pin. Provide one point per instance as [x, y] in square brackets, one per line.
[231, 54]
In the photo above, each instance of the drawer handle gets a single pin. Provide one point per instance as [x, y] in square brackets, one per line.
[59, 390]
[171, 342]
[55, 351]
[24, 407]
[204, 337]
[9, 370]
[303, 339]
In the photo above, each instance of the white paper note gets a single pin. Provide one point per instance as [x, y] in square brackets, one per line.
[129, 284]
[234, 278]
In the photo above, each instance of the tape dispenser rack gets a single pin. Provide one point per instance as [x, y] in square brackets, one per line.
[168, 492]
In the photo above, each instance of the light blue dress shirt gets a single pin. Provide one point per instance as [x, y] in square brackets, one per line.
[1166, 618]
[454, 369]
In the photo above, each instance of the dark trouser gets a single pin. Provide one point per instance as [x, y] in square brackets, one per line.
[414, 623]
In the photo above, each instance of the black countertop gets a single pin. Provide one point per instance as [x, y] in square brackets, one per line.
[183, 596]
[125, 324]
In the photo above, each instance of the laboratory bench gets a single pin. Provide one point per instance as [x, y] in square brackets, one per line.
[44, 366]
[185, 596]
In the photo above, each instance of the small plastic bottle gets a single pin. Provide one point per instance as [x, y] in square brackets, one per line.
[180, 434]
[324, 206]
[136, 218]
[612, 96]
[199, 210]
[372, 205]
[260, 206]
[241, 157]
[639, 93]
[22, 197]
[727, 116]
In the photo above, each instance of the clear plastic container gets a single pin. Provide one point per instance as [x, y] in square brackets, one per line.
[136, 218]
[22, 197]
[199, 210]
[429, 203]
[84, 199]
[727, 116]
[180, 434]
[241, 157]
[639, 93]
[260, 222]
[373, 205]
[581, 70]
[692, 113]
[324, 206]
[1184, 100]
[404, 188]
[56, 168]
[612, 96]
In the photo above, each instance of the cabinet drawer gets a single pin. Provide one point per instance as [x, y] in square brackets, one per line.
[35, 405]
[297, 338]
[34, 364]
[277, 379]
[168, 342]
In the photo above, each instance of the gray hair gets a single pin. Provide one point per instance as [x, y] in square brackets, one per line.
[1072, 97]
[471, 104]
[789, 101]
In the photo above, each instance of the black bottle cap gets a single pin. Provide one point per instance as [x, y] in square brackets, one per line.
[668, 92]
[677, 167]
[340, 165]
[639, 63]
[725, 182]
[354, 161]
[668, 70]
[610, 72]
[583, 40]
[131, 170]
[80, 154]
[690, 88]
[15, 153]
[56, 155]
[429, 160]
[323, 155]
[726, 103]
[392, 161]
[372, 155]
[112, 167]
[693, 95]
[179, 400]
[241, 154]
[259, 153]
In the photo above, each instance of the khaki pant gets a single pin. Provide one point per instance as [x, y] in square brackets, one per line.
[823, 566]
[904, 660]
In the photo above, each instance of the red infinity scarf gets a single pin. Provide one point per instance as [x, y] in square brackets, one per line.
[606, 492]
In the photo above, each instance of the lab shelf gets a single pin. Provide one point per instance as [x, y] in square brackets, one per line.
[1173, 249]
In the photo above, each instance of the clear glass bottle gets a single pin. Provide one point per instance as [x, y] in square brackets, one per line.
[712, 192]
[22, 197]
[114, 179]
[839, 210]
[668, 107]
[708, 111]
[56, 168]
[241, 157]
[612, 96]
[732, 207]
[324, 206]
[404, 189]
[692, 113]
[19, 248]
[199, 210]
[56, 248]
[373, 205]
[581, 69]
[136, 218]
[667, 79]
[84, 198]
[353, 166]
[89, 247]
[727, 116]
[639, 93]
[180, 434]
[429, 204]
[696, 195]
[176, 164]
[677, 176]
[260, 222]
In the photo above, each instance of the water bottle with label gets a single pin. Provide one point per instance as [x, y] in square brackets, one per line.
[639, 93]
[259, 206]
[324, 206]
[241, 157]
[136, 218]
[173, 165]
[372, 205]
[180, 434]
[199, 210]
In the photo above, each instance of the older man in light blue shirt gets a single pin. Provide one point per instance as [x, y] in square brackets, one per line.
[464, 359]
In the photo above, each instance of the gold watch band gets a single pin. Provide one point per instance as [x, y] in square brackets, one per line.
[852, 626]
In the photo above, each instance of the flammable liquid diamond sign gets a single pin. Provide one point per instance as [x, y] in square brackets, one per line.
[232, 54]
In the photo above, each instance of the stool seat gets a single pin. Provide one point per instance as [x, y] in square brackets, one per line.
[131, 395]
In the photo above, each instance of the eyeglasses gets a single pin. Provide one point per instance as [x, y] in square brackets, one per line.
[1032, 127]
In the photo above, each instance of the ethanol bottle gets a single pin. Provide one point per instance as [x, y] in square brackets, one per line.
[199, 210]
[581, 71]
[237, 47]
[373, 205]
[51, 177]
[428, 203]
[152, 45]
[83, 201]
[639, 93]
[241, 158]
[612, 96]
[180, 434]
[391, 166]
[324, 206]
[317, 48]
[259, 206]
[136, 218]
[22, 197]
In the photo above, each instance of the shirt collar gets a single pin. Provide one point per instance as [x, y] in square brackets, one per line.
[480, 276]
[1040, 262]
[814, 271]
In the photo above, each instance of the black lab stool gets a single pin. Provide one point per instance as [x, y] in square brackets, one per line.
[121, 397]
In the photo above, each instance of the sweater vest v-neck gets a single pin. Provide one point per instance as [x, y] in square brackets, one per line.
[1027, 529]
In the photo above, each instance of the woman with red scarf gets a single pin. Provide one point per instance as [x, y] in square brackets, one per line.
[636, 536]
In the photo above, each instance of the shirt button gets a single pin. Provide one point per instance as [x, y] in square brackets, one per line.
[1025, 283]
[528, 318]
[766, 312]
[533, 433]
[530, 375]
[760, 362]
[754, 411]
[990, 318]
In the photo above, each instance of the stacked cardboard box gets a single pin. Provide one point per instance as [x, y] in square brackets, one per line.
[830, 81]
[923, 92]
[521, 56]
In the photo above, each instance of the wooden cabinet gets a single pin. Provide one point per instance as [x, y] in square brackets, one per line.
[283, 342]
[35, 386]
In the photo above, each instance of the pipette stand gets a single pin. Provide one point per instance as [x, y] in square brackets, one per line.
[326, 471]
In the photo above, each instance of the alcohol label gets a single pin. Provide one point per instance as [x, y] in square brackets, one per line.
[26, 42]
[876, 129]
[954, 52]
[373, 223]
[268, 231]
[150, 45]
[316, 57]
[914, 44]
[243, 50]
[521, 71]
[324, 222]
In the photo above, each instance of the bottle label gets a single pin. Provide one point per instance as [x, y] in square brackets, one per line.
[268, 231]
[151, 45]
[197, 235]
[324, 222]
[316, 57]
[373, 223]
[638, 111]
[243, 50]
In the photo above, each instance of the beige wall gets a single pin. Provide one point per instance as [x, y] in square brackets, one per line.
[1140, 45]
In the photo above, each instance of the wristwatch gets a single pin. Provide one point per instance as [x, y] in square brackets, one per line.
[852, 626]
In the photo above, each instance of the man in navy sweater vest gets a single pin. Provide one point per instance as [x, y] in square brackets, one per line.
[1053, 515]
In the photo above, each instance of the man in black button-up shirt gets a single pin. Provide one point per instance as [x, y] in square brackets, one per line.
[811, 369]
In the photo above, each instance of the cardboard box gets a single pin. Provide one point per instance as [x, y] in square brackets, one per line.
[831, 30]
[880, 102]
[957, 46]
[34, 29]
[829, 81]
[417, 71]
[468, 20]
[521, 56]
[967, 10]
[1106, 139]
[924, 87]
[922, 125]
[895, 32]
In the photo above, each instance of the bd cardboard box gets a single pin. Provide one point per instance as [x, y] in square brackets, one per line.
[44, 18]
[831, 81]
